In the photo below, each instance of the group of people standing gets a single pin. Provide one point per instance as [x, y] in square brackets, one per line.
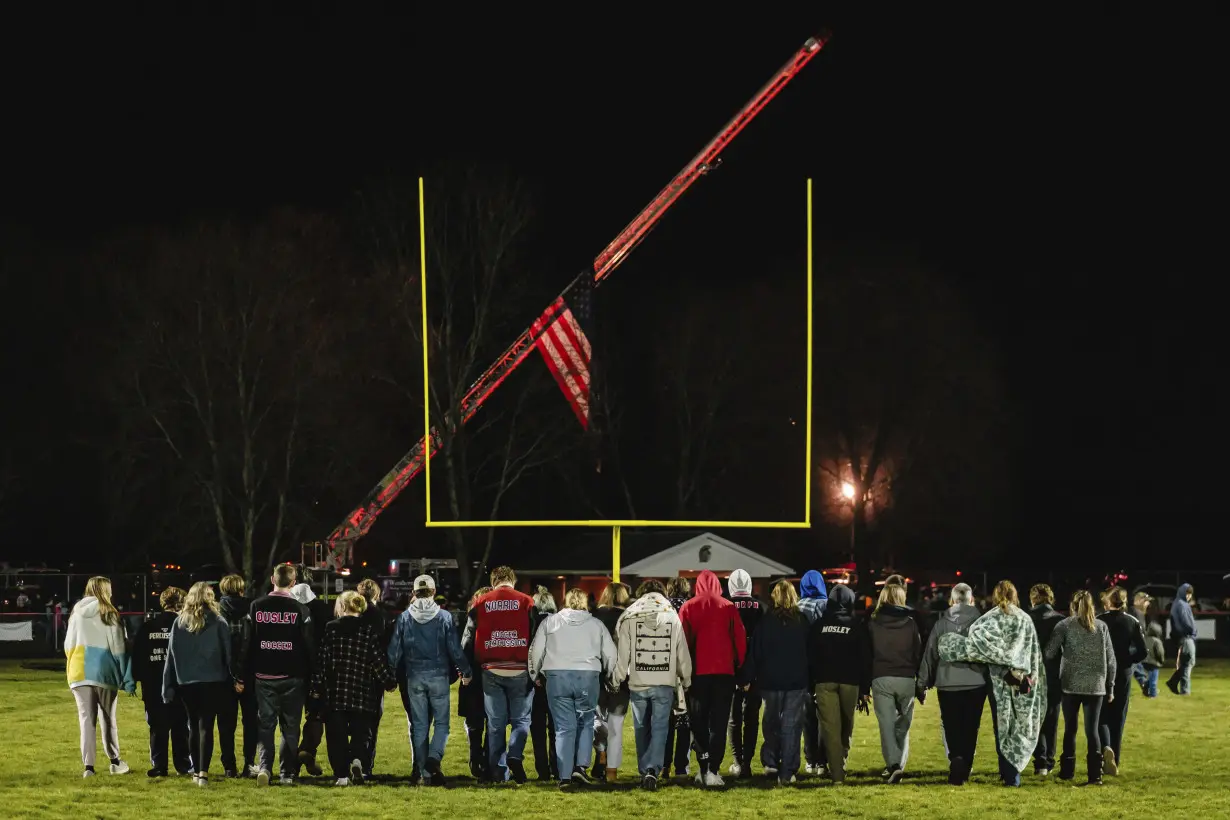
[690, 666]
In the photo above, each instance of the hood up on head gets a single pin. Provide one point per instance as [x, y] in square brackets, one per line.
[841, 599]
[302, 593]
[812, 585]
[1181, 593]
[423, 610]
[740, 583]
[707, 584]
[1154, 629]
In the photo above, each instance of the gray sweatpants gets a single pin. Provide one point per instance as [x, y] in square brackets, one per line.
[93, 703]
[893, 699]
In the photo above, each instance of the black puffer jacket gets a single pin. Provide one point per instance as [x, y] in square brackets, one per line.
[896, 645]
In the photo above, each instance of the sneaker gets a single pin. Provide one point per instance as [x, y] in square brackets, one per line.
[1043, 772]
[262, 777]
[200, 780]
[770, 771]
[565, 785]
[580, 778]
[308, 761]
[649, 782]
[286, 780]
[416, 774]
[356, 772]
[713, 780]
[700, 778]
[896, 775]
[88, 773]
[1109, 765]
[515, 768]
[119, 768]
[735, 770]
[435, 777]
[812, 769]
[342, 781]
[1172, 686]
[887, 771]
[156, 773]
[822, 770]
[792, 779]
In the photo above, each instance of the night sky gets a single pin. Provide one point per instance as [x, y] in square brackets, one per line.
[1040, 165]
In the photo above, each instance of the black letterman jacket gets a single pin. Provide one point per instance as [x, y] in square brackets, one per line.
[280, 641]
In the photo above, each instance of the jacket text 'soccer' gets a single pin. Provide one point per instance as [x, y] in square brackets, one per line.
[502, 622]
[280, 641]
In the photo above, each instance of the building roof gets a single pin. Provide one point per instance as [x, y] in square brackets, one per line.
[646, 554]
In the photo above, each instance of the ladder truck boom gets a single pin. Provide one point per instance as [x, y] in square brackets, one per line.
[340, 544]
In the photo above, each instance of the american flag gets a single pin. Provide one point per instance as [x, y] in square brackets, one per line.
[562, 336]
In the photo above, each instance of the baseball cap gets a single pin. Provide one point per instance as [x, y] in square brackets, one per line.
[424, 582]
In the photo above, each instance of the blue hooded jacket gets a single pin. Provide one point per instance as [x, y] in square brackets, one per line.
[1182, 623]
[813, 596]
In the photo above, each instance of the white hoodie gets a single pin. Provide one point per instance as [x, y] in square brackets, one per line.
[572, 640]
[652, 650]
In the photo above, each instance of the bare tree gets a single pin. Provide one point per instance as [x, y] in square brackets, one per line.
[477, 223]
[224, 342]
[908, 407]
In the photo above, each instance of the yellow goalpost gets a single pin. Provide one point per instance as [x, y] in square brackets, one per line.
[615, 524]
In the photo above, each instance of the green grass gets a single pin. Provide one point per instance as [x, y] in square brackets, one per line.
[1176, 753]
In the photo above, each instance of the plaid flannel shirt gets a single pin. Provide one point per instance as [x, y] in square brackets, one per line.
[353, 666]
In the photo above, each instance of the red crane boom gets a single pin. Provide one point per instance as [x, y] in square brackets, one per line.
[340, 544]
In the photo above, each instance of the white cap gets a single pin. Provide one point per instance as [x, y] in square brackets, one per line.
[424, 582]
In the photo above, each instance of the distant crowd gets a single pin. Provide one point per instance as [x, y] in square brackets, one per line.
[694, 666]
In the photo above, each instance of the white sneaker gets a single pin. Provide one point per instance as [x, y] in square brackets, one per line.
[714, 780]
[342, 781]
[356, 771]
[700, 778]
[87, 773]
[200, 780]
[735, 770]
[813, 769]
[262, 777]
[770, 771]
[119, 768]
[286, 780]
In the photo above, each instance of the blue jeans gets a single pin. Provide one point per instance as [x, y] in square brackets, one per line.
[428, 699]
[1141, 675]
[573, 698]
[508, 701]
[1182, 676]
[1151, 682]
[784, 714]
[651, 720]
[1007, 772]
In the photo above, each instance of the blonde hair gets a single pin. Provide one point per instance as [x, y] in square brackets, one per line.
[1041, 594]
[1082, 608]
[891, 595]
[197, 606]
[232, 585]
[172, 599]
[99, 587]
[349, 603]
[576, 598]
[615, 595]
[369, 589]
[478, 593]
[785, 601]
[1115, 598]
[1005, 596]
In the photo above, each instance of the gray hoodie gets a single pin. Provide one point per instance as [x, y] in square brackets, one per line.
[651, 648]
[951, 675]
[571, 640]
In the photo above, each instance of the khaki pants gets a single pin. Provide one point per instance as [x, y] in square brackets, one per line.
[836, 703]
[93, 703]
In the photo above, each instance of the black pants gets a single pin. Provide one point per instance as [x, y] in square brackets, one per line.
[313, 729]
[1091, 705]
[542, 737]
[280, 705]
[470, 705]
[202, 701]
[961, 712]
[228, 719]
[1044, 752]
[708, 712]
[349, 734]
[373, 731]
[744, 724]
[678, 742]
[1113, 716]
[813, 746]
[168, 719]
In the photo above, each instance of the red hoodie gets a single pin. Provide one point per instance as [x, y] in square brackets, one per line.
[714, 629]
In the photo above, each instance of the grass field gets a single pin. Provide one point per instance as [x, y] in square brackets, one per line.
[1177, 758]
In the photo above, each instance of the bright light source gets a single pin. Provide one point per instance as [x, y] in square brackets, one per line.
[847, 489]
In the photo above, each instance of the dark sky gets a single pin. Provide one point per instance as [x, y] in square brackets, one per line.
[1036, 160]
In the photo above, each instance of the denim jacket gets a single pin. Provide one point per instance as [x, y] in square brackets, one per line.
[425, 644]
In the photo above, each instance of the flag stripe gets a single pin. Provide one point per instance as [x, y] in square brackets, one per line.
[561, 339]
